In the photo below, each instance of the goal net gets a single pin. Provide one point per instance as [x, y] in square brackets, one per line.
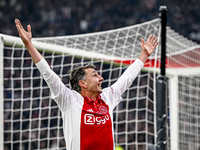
[183, 69]
[31, 119]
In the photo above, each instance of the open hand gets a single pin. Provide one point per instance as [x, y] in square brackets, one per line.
[149, 46]
[26, 36]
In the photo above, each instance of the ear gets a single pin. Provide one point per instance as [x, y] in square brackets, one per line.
[82, 84]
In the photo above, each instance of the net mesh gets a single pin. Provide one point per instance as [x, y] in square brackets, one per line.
[32, 119]
[189, 112]
[183, 62]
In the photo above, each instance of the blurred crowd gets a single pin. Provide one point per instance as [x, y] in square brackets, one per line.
[55, 18]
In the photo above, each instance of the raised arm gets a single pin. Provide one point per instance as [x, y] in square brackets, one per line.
[59, 92]
[127, 78]
[147, 47]
[26, 37]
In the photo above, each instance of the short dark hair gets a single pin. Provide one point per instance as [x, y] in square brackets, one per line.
[78, 74]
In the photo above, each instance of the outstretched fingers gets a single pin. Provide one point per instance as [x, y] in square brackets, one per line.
[29, 28]
[142, 41]
[19, 26]
[25, 35]
[156, 44]
[149, 39]
[153, 40]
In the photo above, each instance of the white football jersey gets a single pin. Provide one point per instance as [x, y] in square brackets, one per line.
[88, 124]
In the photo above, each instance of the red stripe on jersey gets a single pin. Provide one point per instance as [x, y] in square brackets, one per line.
[96, 126]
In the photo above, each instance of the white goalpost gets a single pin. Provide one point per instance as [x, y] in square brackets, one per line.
[2, 96]
[30, 119]
[183, 71]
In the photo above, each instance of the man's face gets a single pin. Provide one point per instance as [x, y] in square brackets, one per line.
[93, 81]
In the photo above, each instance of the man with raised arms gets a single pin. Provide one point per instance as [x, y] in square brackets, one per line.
[87, 109]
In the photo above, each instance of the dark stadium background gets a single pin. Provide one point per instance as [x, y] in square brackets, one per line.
[69, 17]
